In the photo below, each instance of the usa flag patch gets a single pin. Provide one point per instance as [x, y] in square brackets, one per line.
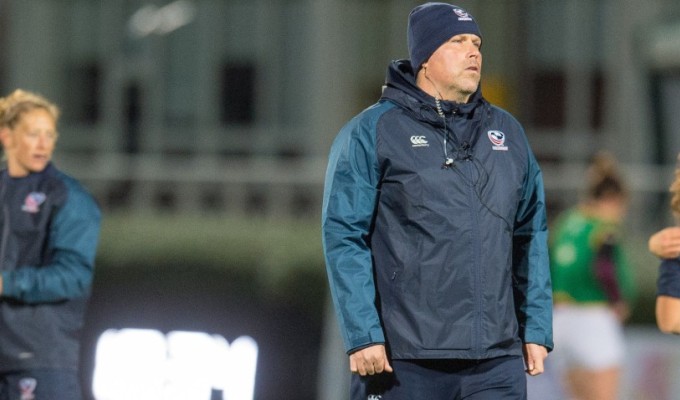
[33, 201]
[497, 139]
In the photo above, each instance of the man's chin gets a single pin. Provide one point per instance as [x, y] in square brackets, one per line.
[37, 167]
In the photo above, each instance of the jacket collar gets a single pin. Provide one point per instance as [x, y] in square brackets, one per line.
[400, 87]
[48, 170]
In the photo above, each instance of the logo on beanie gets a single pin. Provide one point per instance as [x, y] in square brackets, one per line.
[462, 14]
[497, 139]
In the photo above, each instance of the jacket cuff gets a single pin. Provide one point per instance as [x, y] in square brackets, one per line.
[540, 338]
[373, 337]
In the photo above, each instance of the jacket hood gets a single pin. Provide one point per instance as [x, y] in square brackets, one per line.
[400, 87]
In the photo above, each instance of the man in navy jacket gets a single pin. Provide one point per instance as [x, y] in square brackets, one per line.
[49, 229]
[434, 230]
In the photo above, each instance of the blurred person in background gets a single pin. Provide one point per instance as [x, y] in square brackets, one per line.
[664, 244]
[50, 229]
[434, 230]
[593, 286]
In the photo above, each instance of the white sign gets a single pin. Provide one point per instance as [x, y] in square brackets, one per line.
[143, 364]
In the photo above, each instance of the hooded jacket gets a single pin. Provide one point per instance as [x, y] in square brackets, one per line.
[436, 260]
[50, 229]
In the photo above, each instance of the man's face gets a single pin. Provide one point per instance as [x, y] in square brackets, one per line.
[30, 144]
[455, 68]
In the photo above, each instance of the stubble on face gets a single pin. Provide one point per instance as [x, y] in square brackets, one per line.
[454, 69]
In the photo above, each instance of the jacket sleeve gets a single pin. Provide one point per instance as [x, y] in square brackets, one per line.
[532, 284]
[71, 247]
[349, 200]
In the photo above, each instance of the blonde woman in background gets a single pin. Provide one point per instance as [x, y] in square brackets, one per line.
[592, 286]
[49, 227]
[666, 244]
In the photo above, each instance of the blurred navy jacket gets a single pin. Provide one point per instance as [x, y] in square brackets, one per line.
[49, 232]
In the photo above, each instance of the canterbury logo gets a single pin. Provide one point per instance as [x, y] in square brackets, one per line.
[419, 141]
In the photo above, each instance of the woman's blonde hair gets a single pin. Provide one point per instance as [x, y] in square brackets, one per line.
[675, 192]
[20, 102]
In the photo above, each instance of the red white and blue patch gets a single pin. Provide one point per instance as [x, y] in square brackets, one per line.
[27, 388]
[33, 201]
[462, 14]
[497, 139]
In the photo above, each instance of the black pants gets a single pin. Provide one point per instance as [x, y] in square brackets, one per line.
[501, 378]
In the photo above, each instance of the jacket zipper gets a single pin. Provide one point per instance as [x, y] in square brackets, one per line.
[477, 289]
[468, 172]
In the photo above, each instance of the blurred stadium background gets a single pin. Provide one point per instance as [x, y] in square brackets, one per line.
[202, 127]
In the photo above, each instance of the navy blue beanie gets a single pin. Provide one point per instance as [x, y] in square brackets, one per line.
[431, 24]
